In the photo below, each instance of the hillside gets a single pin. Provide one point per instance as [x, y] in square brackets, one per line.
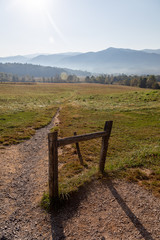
[152, 51]
[114, 60]
[108, 61]
[37, 70]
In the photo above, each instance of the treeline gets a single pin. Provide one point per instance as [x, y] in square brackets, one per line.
[63, 78]
[149, 81]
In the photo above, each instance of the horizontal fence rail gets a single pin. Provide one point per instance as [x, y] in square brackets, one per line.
[54, 143]
[80, 138]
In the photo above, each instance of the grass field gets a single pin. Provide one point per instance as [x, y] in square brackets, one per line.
[134, 147]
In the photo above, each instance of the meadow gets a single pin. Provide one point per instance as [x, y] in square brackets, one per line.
[134, 146]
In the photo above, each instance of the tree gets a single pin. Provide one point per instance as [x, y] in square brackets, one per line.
[14, 78]
[87, 79]
[155, 85]
[151, 80]
[126, 82]
[101, 79]
[23, 79]
[142, 82]
[134, 82]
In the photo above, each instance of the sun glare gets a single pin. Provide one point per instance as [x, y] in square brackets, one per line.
[32, 5]
[36, 4]
[38, 13]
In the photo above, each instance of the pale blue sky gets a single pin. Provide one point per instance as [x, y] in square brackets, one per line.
[52, 26]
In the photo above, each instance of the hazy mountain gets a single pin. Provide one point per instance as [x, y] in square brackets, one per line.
[114, 60]
[48, 60]
[30, 56]
[152, 51]
[51, 59]
[111, 61]
[37, 70]
[14, 59]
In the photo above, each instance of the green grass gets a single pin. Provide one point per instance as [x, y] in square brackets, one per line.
[134, 146]
[21, 125]
[135, 137]
[25, 108]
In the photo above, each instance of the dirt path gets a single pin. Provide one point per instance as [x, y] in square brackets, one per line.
[108, 210]
[24, 177]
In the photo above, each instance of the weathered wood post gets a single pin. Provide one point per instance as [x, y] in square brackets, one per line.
[105, 139]
[78, 151]
[53, 166]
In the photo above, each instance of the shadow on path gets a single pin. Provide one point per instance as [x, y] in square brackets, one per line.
[60, 217]
[143, 231]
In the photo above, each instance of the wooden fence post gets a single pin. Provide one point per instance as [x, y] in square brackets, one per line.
[107, 129]
[53, 166]
[78, 151]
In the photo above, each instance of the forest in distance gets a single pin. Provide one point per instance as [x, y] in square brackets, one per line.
[148, 81]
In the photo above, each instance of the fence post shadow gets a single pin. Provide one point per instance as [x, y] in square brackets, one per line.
[66, 211]
[58, 218]
[57, 227]
[57, 221]
[143, 231]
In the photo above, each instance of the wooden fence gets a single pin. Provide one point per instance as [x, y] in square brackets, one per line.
[54, 143]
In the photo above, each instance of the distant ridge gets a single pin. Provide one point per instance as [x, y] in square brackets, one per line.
[152, 51]
[12, 59]
[108, 61]
[37, 70]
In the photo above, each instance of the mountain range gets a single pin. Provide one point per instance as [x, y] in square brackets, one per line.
[108, 61]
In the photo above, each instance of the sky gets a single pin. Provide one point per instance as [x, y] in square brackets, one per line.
[55, 26]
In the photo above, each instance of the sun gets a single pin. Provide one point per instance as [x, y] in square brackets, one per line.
[32, 6]
[36, 4]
